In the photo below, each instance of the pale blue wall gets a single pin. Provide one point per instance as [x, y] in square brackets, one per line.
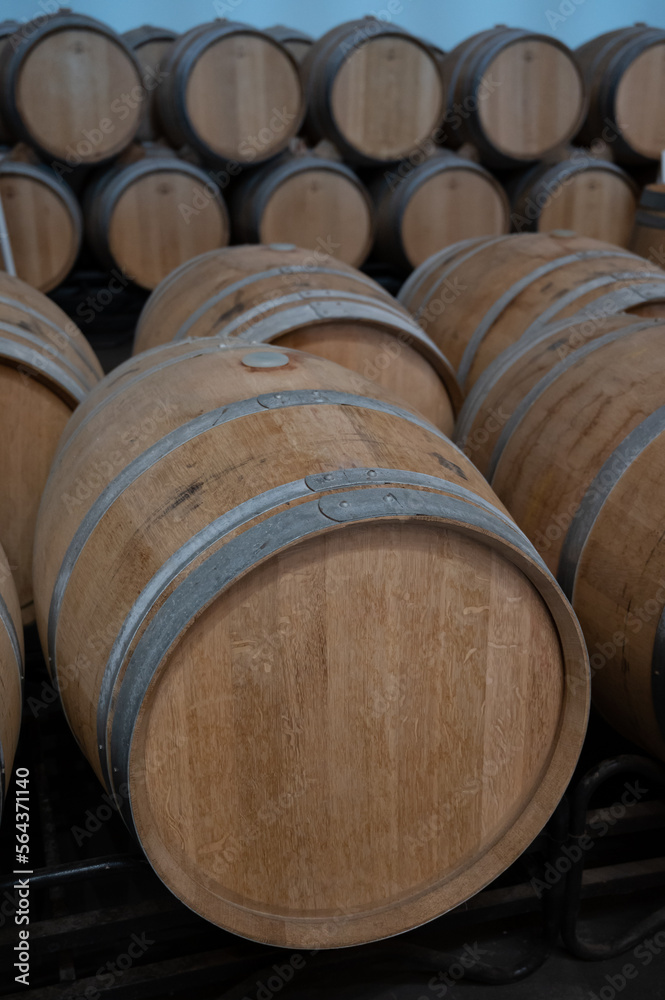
[445, 22]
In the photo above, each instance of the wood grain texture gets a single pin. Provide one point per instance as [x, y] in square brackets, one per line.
[11, 673]
[648, 235]
[232, 92]
[149, 217]
[307, 201]
[374, 91]
[591, 197]
[43, 222]
[292, 721]
[476, 299]
[623, 70]
[524, 95]
[34, 408]
[440, 202]
[88, 111]
[331, 310]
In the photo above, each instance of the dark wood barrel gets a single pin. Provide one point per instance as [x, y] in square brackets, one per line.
[43, 220]
[297, 42]
[7, 30]
[311, 202]
[231, 92]
[422, 209]
[302, 630]
[151, 46]
[11, 675]
[592, 197]
[148, 217]
[91, 108]
[625, 75]
[373, 90]
[515, 94]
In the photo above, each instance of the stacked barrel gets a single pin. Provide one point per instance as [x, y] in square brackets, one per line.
[557, 342]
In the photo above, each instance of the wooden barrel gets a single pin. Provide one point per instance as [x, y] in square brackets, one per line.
[579, 465]
[373, 90]
[281, 294]
[231, 92]
[477, 297]
[151, 45]
[11, 674]
[625, 73]
[46, 369]
[314, 633]
[91, 109]
[297, 42]
[43, 221]
[592, 197]
[308, 201]
[502, 386]
[149, 217]
[648, 236]
[515, 94]
[422, 209]
[7, 30]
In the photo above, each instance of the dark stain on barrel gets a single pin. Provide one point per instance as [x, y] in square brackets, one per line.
[184, 495]
[448, 465]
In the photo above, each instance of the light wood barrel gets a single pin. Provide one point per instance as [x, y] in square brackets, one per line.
[648, 236]
[46, 369]
[149, 217]
[91, 108]
[579, 465]
[592, 197]
[43, 222]
[297, 42]
[314, 203]
[296, 536]
[11, 674]
[515, 94]
[231, 92]
[625, 74]
[151, 45]
[477, 297]
[428, 207]
[281, 294]
[373, 90]
[7, 30]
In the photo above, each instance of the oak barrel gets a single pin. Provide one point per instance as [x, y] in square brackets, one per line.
[231, 92]
[297, 42]
[592, 197]
[46, 369]
[648, 235]
[306, 200]
[579, 464]
[477, 297]
[515, 94]
[421, 209]
[148, 217]
[11, 674]
[625, 74]
[151, 46]
[374, 90]
[91, 108]
[281, 294]
[315, 633]
[43, 222]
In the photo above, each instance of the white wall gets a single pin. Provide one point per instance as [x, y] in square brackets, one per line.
[444, 22]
